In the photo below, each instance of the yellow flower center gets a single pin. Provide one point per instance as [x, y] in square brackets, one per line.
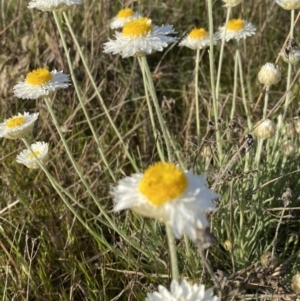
[138, 27]
[162, 182]
[15, 121]
[31, 155]
[198, 33]
[125, 13]
[38, 77]
[235, 24]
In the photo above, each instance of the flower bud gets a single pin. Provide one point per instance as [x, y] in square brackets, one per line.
[206, 151]
[296, 283]
[289, 130]
[297, 126]
[232, 3]
[289, 4]
[265, 129]
[228, 245]
[267, 260]
[269, 74]
[288, 148]
[292, 57]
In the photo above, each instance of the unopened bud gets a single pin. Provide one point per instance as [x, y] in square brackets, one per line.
[206, 151]
[296, 283]
[269, 74]
[288, 148]
[292, 57]
[268, 260]
[297, 126]
[289, 130]
[232, 3]
[265, 129]
[289, 4]
[228, 245]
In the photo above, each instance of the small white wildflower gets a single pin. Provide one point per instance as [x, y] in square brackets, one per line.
[236, 29]
[123, 16]
[198, 38]
[182, 292]
[26, 157]
[41, 82]
[167, 193]
[18, 126]
[140, 37]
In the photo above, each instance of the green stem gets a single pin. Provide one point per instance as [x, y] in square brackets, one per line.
[243, 89]
[212, 78]
[197, 95]
[258, 151]
[79, 96]
[68, 151]
[173, 253]
[266, 102]
[60, 190]
[234, 85]
[133, 163]
[260, 142]
[154, 130]
[275, 153]
[77, 169]
[289, 75]
[222, 53]
[152, 91]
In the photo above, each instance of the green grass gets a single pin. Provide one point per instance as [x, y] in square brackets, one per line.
[47, 253]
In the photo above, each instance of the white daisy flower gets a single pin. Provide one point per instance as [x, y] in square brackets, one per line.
[289, 4]
[236, 29]
[198, 38]
[140, 37]
[26, 157]
[123, 16]
[18, 126]
[50, 5]
[40, 82]
[269, 74]
[232, 3]
[167, 193]
[183, 291]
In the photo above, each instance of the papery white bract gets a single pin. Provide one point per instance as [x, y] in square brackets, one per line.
[182, 292]
[41, 82]
[167, 193]
[18, 126]
[50, 5]
[123, 16]
[198, 38]
[236, 29]
[27, 158]
[140, 37]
